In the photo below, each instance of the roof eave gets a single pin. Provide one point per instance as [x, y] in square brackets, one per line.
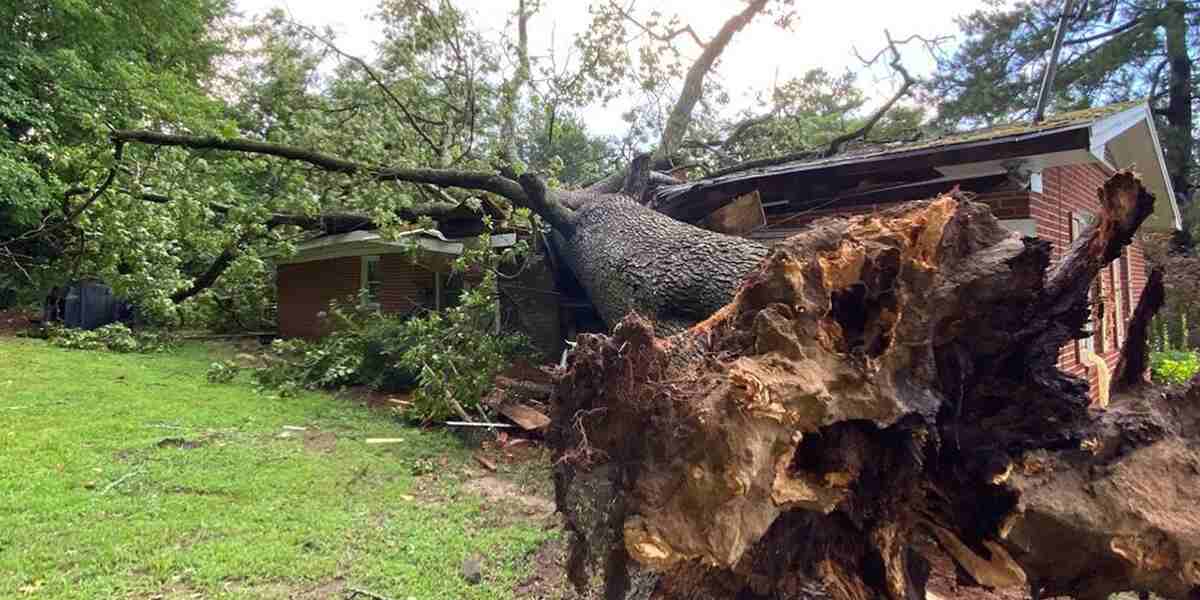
[1106, 130]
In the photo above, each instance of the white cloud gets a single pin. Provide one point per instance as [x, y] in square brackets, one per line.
[824, 34]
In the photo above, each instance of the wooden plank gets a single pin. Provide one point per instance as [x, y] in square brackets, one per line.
[740, 217]
[528, 418]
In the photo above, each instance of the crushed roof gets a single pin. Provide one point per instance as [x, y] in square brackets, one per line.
[1059, 121]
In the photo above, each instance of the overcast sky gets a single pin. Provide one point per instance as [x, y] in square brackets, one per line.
[824, 34]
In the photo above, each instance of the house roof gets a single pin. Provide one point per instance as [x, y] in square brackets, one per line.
[430, 242]
[1118, 135]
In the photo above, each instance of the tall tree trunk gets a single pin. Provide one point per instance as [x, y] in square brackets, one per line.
[510, 103]
[1179, 99]
[875, 382]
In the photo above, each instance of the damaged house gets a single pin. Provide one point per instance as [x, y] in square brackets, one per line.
[1040, 179]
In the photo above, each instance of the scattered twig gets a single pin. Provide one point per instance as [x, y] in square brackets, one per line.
[352, 593]
[165, 426]
[474, 424]
[119, 481]
[485, 462]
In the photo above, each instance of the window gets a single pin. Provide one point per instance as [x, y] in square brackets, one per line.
[1126, 286]
[370, 280]
[1118, 302]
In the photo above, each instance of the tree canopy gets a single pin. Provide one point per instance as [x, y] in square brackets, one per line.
[235, 137]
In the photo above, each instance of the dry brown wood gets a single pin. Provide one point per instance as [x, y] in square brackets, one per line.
[485, 462]
[741, 216]
[526, 417]
[1134, 364]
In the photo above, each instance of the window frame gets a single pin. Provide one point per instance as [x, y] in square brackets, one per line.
[369, 291]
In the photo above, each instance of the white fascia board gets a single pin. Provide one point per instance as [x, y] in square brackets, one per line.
[364, 243]
[1104, 130]
[1031, 163]
[1107, 129]
[1162, 163]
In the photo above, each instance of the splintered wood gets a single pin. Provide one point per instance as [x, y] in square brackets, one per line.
[875, 381]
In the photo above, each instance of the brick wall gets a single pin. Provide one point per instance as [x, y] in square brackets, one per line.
[1068, 191]
[405, 286]
[306, 289]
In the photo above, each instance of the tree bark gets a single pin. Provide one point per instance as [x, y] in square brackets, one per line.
[1134, 363]
[875, 382]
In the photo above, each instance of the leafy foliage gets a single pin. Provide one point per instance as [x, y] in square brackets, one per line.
[458, 353]
[450, 357]
[115, 337]
[222, 371]
[1174, 367]
[73, 70]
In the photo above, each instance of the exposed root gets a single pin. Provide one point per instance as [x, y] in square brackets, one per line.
[874, 378]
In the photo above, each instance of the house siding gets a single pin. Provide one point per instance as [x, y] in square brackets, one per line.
[306, 289]
[405, 287]
[1067, 191]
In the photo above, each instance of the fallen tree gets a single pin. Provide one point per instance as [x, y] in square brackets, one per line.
[874, 383]
[827, 416]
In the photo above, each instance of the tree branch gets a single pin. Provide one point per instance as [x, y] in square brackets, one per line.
[561, 218]
[71, 214]
[835, 146]
[670, 36]
[693, 84]
[1103, 34]
[511, 95]
[404, 110]
[472, 180]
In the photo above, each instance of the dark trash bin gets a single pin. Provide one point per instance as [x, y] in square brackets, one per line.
[85, 305]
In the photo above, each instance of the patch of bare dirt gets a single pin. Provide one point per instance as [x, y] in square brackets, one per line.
[325, 589]
[548, 581]
[181, 443]
[320, 442]
[15, 321]
[195, 491]
[172, 591]
[507, 502]
[375, 399]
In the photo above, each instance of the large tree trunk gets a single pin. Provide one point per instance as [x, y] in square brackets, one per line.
[631, 258]
[875, 383]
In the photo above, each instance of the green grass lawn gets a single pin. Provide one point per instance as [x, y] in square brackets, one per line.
[130, 476]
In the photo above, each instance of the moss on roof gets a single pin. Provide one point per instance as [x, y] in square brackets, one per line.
[1075, 118]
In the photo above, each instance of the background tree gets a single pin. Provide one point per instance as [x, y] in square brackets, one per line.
[72, 73]
[1115, 50]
